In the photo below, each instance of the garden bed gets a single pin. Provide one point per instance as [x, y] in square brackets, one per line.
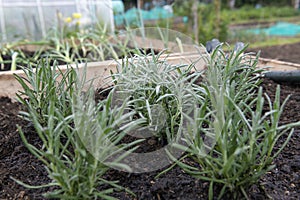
[287, 52]
[16, 161]
[281, 183]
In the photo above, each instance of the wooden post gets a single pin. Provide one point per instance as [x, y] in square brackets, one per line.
[195, 20]
[140, 4]
[296, 4]
[217, 8]
[231, 4]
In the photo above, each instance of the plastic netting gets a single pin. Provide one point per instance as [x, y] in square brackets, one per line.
[279, 29]
[33, 18]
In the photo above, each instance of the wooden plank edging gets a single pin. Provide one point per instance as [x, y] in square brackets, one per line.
[99, 71]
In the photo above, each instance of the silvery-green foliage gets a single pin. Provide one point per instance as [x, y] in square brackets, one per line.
[80, 139]
[159, 91]
[46, 83]
[233, 137]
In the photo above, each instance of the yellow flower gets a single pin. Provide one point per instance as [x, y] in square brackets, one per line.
[59, 15]
[78, 23]
[68, 20]
[76, 15]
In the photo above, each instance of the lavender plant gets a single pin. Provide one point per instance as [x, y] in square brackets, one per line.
[160, 92]
[80, 140]
[231, 136]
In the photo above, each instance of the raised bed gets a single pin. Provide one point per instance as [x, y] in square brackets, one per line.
[280, 183]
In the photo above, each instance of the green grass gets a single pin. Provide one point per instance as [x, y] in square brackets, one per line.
[262, 40]
[249, 14]
[275, 41]
[292, 19]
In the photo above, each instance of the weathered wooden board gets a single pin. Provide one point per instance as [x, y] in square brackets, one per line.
[99, 71]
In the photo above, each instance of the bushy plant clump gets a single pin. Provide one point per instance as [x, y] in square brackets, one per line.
[161, 92]
[80, 139]
[232, 137]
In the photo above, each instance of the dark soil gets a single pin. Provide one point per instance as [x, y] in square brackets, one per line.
[288, 52]
[283, 182]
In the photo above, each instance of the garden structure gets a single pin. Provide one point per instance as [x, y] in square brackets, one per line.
[182, 178]
[32, 19]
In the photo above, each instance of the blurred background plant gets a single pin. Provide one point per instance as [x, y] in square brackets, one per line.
[205, 19]
[69, 25]
[67, 44]
[219, 18]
